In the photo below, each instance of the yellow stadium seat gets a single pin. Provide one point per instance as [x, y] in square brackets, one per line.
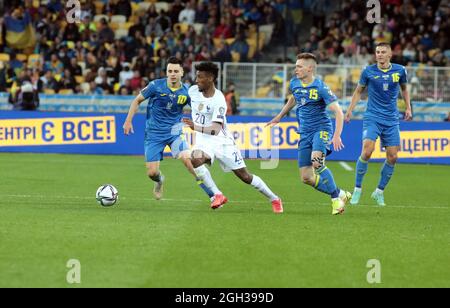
[230, 41]
[22, 57]
[65, 91]
[334, 82]
[79, 79]
[49, 91]
[183, 27]
[4, 57]
[263, 91]
[355, 73]
[216, 42]
[98, 7]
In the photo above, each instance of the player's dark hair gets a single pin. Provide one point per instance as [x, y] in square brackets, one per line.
[208, 67]
[384, 44]
[175, 60]
[307, 56]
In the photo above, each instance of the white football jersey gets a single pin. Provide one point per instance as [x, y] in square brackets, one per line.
[205, 111]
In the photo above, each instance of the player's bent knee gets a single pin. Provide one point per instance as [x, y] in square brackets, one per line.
[392, 158]
[318, 162]
[306, 179]
[152, 173]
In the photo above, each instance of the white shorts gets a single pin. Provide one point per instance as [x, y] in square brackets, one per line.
[222, 149]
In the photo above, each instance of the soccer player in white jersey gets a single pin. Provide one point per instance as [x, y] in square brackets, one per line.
[213, 141]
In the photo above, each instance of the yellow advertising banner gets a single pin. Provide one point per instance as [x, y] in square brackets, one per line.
[57, 131]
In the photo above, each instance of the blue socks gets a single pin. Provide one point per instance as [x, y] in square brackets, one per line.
[325, 182]
[361, 170]
[386, 174]
[205, 189]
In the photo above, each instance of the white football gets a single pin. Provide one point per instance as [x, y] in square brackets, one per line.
[107, 195]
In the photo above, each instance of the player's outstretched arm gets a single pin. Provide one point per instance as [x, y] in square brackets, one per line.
[355, 100]
[128, 125]
[337, 142]
[405, 94]
[288, 107]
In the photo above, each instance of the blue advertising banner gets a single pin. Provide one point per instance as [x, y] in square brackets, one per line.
[100, 133]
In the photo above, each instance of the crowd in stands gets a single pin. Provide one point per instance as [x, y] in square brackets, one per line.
[418, 31]
[118, 46]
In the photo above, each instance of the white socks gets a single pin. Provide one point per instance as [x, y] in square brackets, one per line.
[203, 174]
[259, 184]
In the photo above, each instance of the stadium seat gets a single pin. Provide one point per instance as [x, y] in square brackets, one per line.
[4, 57]
[126, 25]
[144, 6]
[134, 7]
[184, 27]
[263, 91]
[65, 91]
[114, 26]
[230, 41]
[355, 73]
[79, 79]
[268, 31]
[118, 19]
[162, 6]
[49, 91]
[98, 7]
[198, 28]
[334, 82]
[97, 18]
[22, 57]
[120, 33]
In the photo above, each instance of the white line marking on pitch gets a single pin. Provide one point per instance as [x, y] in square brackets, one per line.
[345, 166]
[231, 201]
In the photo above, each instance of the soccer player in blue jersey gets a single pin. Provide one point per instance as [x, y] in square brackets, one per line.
[167, 98]
[312, 98]
[381, 119]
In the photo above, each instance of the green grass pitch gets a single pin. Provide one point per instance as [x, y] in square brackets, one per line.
[48, 215]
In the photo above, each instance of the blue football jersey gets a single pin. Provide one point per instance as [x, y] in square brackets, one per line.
[165, 106]
[383, 88]
[312, 101]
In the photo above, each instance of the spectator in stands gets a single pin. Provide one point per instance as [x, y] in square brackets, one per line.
[164, 21]
[175, 10]
[187, 15]
[95, 89]
[201, 14]
[135, 82]
[49, 82]
[14, 63]
[3, 77]
[121, 7]
[241, 46]
[224, 29]
[363, 58]
[105, 33]
[126, 89]
[153, 28]
[26, 98]
[232, 99]
[447, 119]
[68, 81]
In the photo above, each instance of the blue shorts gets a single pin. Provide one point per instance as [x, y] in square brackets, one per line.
[389, 135]
[155, 145]
[311, 142]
